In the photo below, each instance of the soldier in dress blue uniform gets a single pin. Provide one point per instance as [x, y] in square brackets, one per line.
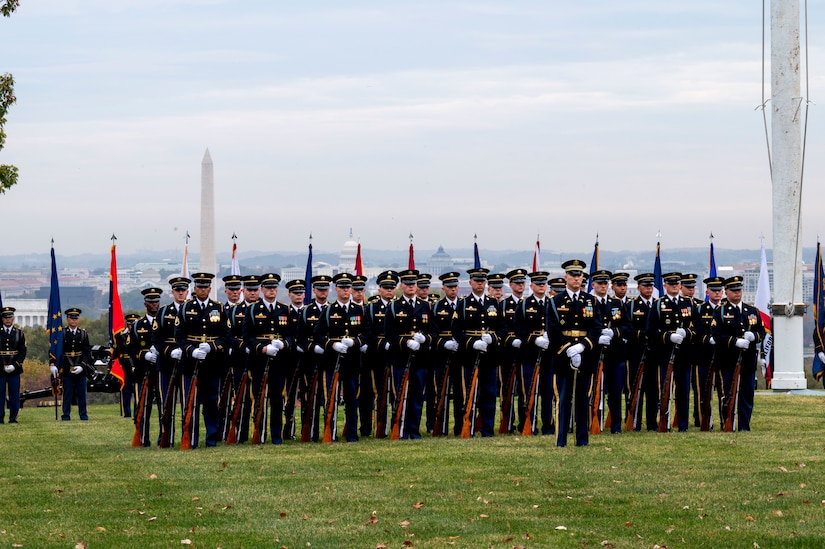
[692, 349]
[12, 355]
[573, 327]
[555, 286]
[374, 372]
[477, 327]
[166, 347]
[202, 333]
[638, 313]
[232, 286]
[737, 329]
[269, 336]
[77, 356]
[705, 347]
[296, 289]
[422, 286]
[359, 288]
[145, 357]
[121, 350]
[443, 349]
[238, 356]
[310, 315]
[343, 333]
[611, 347]
[618, 284]
[530, 326]
[671, 326]
[408, 331]
[509, 348]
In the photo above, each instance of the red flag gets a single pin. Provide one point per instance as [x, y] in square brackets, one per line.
[411, 261]
[536, 254]
[762, 303]
[116, 321]
[359, 267]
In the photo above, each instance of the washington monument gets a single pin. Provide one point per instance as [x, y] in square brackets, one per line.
[208, 262]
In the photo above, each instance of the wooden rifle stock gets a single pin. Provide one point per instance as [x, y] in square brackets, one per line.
[225, 411]
[706, 396]
[597, 398]
[140, 418]
[507, 402]
[332, 404]
[291, 397]
[440, 426]
[188, 419]
[531, 415]
[258, 427]
[636, 393]
[381, 405]
[401, 400]
[470, 405]
[167, 422]
[667, 390]
[733, 404]
[312, 401]
[238, 410]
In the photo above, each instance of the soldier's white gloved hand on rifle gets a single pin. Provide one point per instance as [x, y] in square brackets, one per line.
[742, 343]
[204, 347]
[364, 348]
[176, 354]
[318, 349]
[277, 343]
[516, 343]
[9, 368]
[387, 346]
[542, 342]
[676, 338]
[270, 350]
[198, 354]
[607, 332]
[77, 370]
[299, 349]
[487, 338]
[574, 350]
[53, 370]
[604, 340]
[681, 332]
[413, 345]
[151, 356]
[821, 356]
[419, 337]
[339, 347]
[451, 345]
[575, 361]
[348, 341]
[749, 336]
[479, 345]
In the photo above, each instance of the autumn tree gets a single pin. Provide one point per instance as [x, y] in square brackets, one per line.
[8, 173]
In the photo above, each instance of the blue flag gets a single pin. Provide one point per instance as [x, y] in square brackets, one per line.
[818, 368]
[476, 258]
[657, 275]
[711, 266]
[308, 276]
[594, 265]
[54, 324]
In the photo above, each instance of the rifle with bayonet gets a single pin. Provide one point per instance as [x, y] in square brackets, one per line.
[189, 420]
[401, 400]
[635, 395]
[531, 412]
[468, 427]
[732, 412]
[259, 420]
[441, 419]
[170, 400]
[508, 401]
[331, 409]
[667, 390]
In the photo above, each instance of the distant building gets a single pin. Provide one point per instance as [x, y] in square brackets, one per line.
[440, 262]
[29, 312]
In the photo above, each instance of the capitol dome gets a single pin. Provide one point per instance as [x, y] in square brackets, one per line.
[346, 262]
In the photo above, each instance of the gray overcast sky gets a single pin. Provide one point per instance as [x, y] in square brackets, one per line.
[443, 119]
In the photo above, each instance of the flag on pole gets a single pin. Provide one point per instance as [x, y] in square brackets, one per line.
[411, 259]
[359, 267]
[659, 289]
[184, 268]
[1, 299]
[818, 368]
[537, 255]
[763, 300]
[308, 274]
[711, 264]
[116, 322]
[54, 324]
[476, 258]
[236, 267]
[594, 265]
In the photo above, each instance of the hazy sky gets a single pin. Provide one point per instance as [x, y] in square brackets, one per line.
[443, 119]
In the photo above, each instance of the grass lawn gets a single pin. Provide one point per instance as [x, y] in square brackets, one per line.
[81, 484]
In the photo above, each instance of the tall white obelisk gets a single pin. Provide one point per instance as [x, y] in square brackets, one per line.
[208, 262]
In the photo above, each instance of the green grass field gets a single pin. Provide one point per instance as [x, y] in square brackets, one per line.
[81, 484]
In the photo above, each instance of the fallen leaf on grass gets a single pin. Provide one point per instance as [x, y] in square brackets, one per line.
[381, 546]
[749, 518]
[484, 516]
[407, 543]
[783, 469]
[151, 519]
[418, 505]
[506, 540]
[196, 498]
[372, 520]
[100, 529]
[404, 523]
[778, 512]
[670, 529]
[561, 527]
[283, 515]
[628, 523]
[153, 476]
[526, 536]
[79, 545]
[607, 545]
[664, 495]
[186, 542]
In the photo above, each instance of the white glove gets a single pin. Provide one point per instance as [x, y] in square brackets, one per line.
[576, 349]
[205, 347]
[53, 370]
[419, 337]
[198, 354]
[452, 345]
[247, 350]
[479, 345]
[318, 349]
[364, 348]
[821, 356]
[176, 354]
[387, 346]
[575, 361]
[607, 332]
[712, 341]
[299, 349]
[270, 350]
[348, 341]
[542, 342]
[413, 345]
[153, 349]
[8, 368]
[339, 347]
[742, 343]
[277, 343]
[676, 338]
[487, 338]
[77, 369]
[749, 336]
[604, 340]
[516, 343]
[681, 332]
[151, 357]
[229, 351]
